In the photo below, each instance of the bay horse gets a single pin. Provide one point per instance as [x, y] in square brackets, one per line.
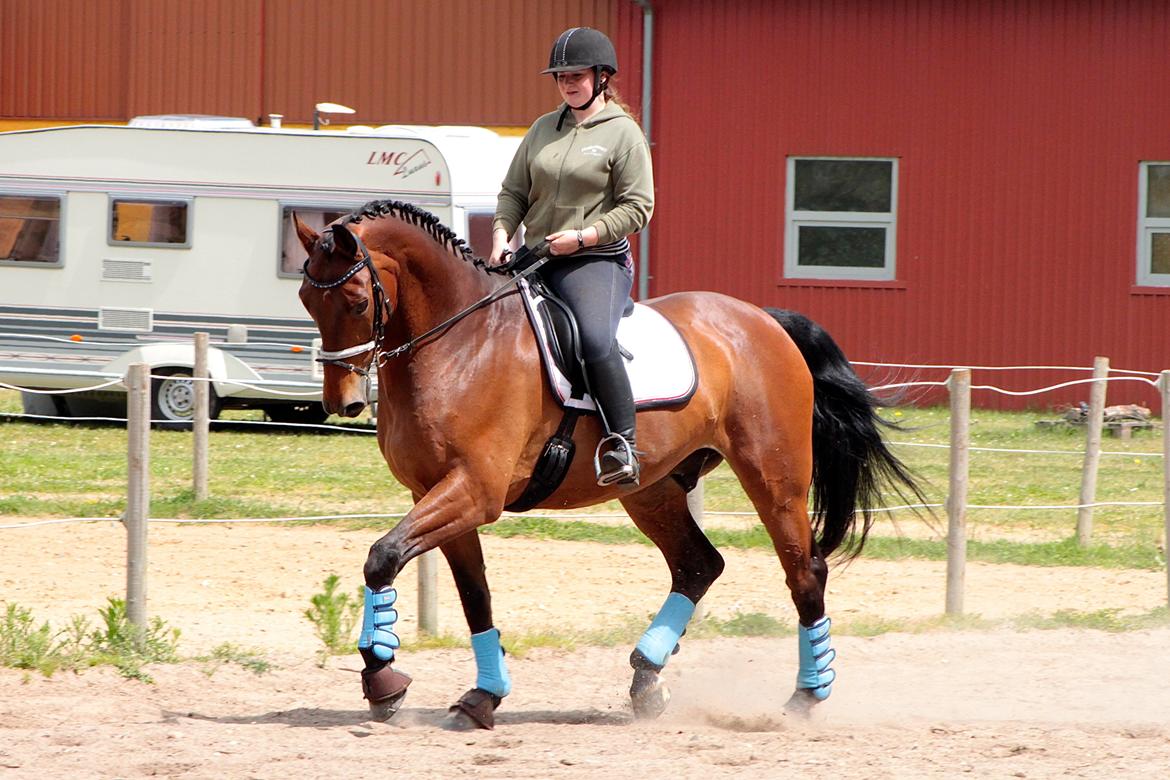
[463, 413]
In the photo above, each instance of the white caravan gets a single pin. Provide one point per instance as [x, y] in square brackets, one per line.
[117, 244]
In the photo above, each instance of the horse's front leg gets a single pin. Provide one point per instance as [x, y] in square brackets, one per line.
[457, 505]
[476, 708]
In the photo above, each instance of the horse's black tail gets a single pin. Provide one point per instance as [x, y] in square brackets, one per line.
[851, 461]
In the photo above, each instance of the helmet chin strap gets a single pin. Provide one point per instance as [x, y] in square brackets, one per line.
[598, 87]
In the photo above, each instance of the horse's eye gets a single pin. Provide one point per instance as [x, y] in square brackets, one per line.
[360, 307]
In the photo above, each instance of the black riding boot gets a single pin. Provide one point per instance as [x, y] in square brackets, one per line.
[610, 387]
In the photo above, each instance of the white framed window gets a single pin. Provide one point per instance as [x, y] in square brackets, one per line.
[30, 230]
[841, 218]
[1153, 254]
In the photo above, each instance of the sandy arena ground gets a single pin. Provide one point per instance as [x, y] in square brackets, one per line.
[1001, 704]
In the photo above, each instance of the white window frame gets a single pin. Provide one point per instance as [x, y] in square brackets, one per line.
[794, 220]
[1148, 227]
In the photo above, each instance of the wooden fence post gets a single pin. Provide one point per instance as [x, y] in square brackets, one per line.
[428, 596]
[959, 385]
[1164, 386]
[137, 489]
[1095, 422]
[695, 507]
[201, 423]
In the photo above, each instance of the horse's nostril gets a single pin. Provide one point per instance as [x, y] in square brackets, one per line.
[354, 409]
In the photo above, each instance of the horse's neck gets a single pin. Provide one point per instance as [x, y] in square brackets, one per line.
[435, 283]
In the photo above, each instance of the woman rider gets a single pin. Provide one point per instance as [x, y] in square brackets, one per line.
[582, 180]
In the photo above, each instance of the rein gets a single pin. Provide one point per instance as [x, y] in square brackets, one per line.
[541, 251]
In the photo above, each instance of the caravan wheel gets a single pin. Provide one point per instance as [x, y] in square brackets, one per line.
[172, 398]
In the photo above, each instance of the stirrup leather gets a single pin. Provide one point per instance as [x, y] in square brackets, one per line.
[617, 470]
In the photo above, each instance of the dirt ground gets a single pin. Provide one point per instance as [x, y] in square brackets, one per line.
[1063, 703]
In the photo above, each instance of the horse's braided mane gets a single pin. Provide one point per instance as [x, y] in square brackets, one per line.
[408, 212]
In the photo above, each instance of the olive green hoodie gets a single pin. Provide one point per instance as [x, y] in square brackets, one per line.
[598, 174]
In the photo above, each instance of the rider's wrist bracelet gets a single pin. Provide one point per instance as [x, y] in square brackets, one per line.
[580, 240]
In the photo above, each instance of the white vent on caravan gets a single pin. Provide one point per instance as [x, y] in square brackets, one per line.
[126, 270]
[126, 320]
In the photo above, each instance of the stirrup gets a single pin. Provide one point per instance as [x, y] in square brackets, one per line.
[627, 472]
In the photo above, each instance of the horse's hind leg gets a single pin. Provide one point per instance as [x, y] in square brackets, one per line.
[778, 488]
[660, 511]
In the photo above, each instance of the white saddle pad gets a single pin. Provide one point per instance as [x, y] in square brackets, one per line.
[662, 369]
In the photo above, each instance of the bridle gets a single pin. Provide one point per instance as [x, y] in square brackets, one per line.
[381, 301]
[526, 261]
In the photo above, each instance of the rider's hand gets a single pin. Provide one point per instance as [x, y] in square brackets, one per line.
[563, 242]
[499, 246]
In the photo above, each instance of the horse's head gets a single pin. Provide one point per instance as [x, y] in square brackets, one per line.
[351, 301]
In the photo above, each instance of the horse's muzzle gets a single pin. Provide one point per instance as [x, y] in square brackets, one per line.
[346, 397]
[344, 407]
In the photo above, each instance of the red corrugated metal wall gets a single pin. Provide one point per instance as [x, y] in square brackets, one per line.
[457, 61]
[438, 61]
[1019, 128]
[191, 56]
[63, 59]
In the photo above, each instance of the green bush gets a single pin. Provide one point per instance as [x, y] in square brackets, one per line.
[118, 642]
[334, 616]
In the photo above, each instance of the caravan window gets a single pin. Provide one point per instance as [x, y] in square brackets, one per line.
[150, 222]
[479, 232]
[30, 230]
[292, 254]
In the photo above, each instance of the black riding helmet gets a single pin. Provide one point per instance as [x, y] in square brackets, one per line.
[581, 48]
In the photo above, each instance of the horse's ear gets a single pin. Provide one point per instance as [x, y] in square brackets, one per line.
[306, 234]
[344, 241]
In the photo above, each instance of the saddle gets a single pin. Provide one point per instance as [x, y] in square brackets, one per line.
[658, 361]
[559, 324]
[660, 365]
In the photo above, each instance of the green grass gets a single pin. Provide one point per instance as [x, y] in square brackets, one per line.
[754, 624]
[1065, 552]
[1018, 479]
[1110, 620]
[255, 474]
[27, 644]
[229, 653]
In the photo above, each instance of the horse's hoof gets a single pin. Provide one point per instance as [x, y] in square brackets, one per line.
[458, 720]
[648, 694]
[475, 710]
[385, 689]
[384, 710]
[801, 702]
